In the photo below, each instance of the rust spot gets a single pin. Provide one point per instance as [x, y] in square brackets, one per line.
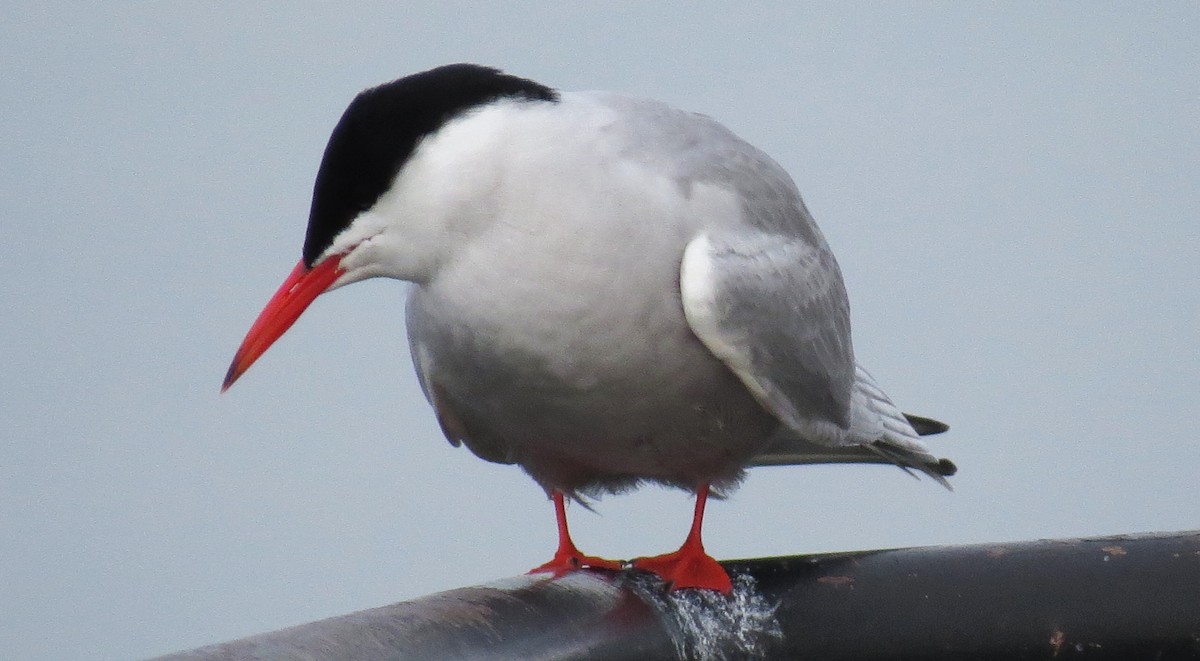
[1114, 550]
[837, 581]
[1057, 638]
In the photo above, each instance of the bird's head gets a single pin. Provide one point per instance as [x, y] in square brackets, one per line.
[356, 226]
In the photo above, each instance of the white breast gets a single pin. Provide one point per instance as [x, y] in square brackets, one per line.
[556, 321]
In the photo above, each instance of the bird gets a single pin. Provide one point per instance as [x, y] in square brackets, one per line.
[606, 291]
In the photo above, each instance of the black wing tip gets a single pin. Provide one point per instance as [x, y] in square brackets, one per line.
[909, 461]
[926, 426]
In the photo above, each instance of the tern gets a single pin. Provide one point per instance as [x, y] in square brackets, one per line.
[607, 291]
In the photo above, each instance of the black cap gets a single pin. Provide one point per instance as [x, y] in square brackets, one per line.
[381, 128]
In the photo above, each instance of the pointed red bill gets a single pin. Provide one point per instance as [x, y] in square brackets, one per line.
[300, 289]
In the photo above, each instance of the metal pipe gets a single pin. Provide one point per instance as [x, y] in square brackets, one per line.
[1133, 596]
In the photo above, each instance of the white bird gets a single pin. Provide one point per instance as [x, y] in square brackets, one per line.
[608, 291]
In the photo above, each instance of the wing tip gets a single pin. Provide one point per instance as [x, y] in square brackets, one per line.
[926, 426]
[908, 461]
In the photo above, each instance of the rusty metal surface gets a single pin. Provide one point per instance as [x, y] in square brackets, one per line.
[1127, 597]
[1134, 596]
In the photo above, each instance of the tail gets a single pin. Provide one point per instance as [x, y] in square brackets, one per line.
[938, 469]
[879, 433]
[895, 436]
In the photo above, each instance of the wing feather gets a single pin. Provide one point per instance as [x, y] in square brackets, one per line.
[774, 309]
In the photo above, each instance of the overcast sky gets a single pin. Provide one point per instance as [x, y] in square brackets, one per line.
[1011, 191]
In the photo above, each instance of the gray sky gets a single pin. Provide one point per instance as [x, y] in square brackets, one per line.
[1011, 191]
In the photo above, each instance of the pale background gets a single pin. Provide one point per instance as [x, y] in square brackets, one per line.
[1011, 191]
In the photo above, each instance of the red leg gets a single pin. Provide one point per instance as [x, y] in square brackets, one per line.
[690, 566]
[568, 558]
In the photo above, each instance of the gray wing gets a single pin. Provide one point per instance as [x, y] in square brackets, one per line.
[773, 308]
